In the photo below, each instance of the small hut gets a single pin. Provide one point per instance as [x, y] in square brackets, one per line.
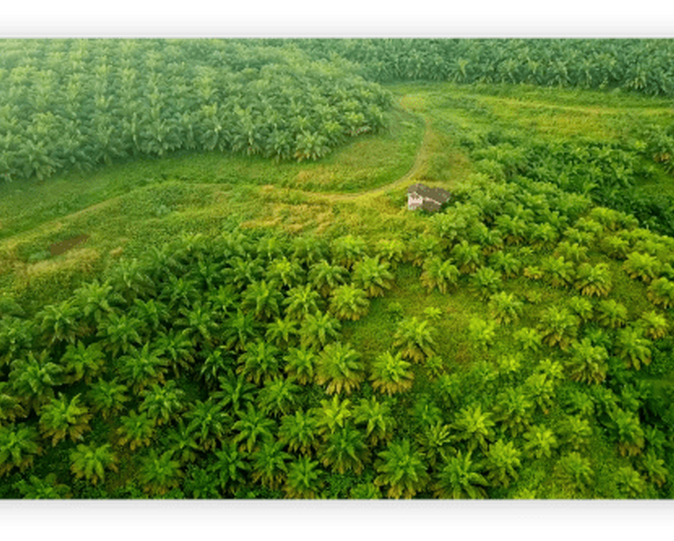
[426, 198]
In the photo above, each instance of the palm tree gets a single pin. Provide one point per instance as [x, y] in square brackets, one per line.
[16, 337]
[33, 378]
[160, 473]
[162, 402]
[326, 277]
[422, 248]
[474, 426]
[655, 468]
[300, 365]
[611, 314]
[372, 276]
[177, 348]
[252, 427]
[182, 443]
[391, 251]
[62, 417]
[11, 407]
[559, 271]
[415, 339]
[260, 362]
[486, 281]
[340, 366]
[345, 450]
[299, 432]
[235, 392]
[263, 299]
[440, 274]
[96, 301]
[278, 396]
[633, 348]
[284, 272]
[108, 397]
[505, 307]
[18, 447]
[576, 430]
[197, 322]
[540, 441]
[270, 464]
[304, 479]
[309, 249]
[655, 325]
[593, 280]
[349, 302]
[120, 333]
[136, 429]
[502, 461]
[528, 339]
[661, 292]
[83, 362]
[582, 308]
[347, 250]
[43, 489]
[377, 418]
[481, 332]
[231, 467]
[240, 330]
[217, 363]
[574, 252]
[558, 327]
[391, 374]
[208, 422]
[434, 439]
[319, 329]
[90, 462]
[460, 478]
[588, 363]
[513, 410]
[540, 389]
[60, 322]
[628, 429]
[645, 267]
[143, 368]
[575, 470]
[333, 415]
[468, 256]
[301, 301]
[630, 482]
[506, 263]
[402, 469]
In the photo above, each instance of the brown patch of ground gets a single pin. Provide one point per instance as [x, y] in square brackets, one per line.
[65, 245]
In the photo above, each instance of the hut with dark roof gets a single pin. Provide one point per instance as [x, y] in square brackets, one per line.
[426, 198]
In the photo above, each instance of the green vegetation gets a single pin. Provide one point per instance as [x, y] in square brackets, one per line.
[231, 327]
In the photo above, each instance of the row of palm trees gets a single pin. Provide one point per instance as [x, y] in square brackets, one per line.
[79, 103]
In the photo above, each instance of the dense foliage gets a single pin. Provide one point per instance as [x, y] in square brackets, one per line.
[77, 103]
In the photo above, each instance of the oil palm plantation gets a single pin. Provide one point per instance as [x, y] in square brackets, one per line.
[325, 277]
[377, 419]
[260, 362]
[301, 301]
[163, 403]
[540, 441]
[82, 362]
